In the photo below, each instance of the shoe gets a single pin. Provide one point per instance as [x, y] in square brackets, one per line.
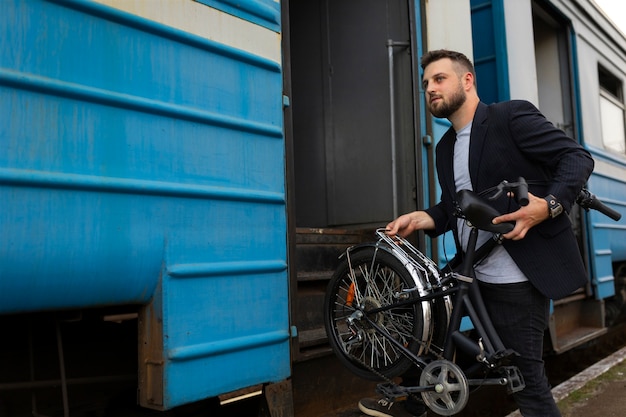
[384, 408]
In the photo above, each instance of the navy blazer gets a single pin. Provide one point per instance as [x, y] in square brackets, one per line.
[509, 140]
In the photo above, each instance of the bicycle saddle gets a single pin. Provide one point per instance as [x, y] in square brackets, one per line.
[480, 213]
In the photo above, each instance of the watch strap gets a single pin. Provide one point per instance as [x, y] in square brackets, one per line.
[554, 206]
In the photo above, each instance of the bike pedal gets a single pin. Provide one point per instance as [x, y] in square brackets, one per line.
[515, 380]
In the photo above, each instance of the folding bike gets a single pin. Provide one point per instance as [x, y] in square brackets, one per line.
[388, 307]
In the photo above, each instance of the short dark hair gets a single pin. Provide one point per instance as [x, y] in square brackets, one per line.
[457, 57]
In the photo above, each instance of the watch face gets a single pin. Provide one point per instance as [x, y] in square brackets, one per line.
[554, 206]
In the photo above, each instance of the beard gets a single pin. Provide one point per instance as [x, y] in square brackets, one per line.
[445, 108]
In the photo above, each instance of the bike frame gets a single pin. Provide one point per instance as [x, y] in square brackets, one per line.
[489, 351]
[443, 384]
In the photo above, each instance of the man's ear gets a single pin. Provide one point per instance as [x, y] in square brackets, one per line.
[468, 81]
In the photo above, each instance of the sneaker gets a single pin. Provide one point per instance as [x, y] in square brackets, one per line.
[384, 408]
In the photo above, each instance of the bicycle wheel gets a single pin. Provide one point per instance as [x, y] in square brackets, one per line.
[366, 280]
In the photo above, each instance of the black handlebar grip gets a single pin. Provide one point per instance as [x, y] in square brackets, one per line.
[588, 201]
[607, 211]
[522, 192]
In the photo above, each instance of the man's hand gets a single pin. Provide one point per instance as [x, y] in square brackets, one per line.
[526, 217]
[410, 222]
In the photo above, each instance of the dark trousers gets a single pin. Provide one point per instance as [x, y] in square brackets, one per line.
[520, 315]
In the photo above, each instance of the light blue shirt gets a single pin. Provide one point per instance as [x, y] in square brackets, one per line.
[498, 267]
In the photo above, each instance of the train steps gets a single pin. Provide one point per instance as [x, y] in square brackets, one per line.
[575, 321]
[317, 255]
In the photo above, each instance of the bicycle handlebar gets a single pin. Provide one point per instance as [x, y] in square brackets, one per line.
[522, 192]
[519, 190]
[585, 199]
[588, 201]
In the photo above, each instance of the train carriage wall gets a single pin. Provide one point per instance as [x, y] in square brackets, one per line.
[142, 163]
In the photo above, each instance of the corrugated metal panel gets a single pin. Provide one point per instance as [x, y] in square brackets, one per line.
[140, 162]
[263, 12]
[607, 244]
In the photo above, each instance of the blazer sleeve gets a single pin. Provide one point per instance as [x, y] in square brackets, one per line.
[570, 165]
[442, 219]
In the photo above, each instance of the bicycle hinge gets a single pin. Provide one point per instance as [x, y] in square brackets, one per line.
[481, 356]
[463, 277]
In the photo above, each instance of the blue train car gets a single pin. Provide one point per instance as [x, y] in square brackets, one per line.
[143, 164]
[194, 167]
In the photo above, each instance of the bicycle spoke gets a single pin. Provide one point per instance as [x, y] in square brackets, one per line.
[370, 282]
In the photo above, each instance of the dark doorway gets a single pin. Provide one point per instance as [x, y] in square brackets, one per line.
[353, 144]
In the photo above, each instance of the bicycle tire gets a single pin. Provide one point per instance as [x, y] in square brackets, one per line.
[369, 278]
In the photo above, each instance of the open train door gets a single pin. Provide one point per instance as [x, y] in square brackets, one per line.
[350, 77]
[353, 104]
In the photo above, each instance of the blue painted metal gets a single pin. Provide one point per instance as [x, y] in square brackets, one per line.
[605, 238]
[490, 52]
[599, 246]
[576, 88]
[446, 245]
[423, 115]
[262, 12]
[142, 164]
[607, 244]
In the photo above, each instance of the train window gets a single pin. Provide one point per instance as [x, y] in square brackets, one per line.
[612, 111]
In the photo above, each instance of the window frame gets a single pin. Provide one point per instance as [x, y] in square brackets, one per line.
[613, 94]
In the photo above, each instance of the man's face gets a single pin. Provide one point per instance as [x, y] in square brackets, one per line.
[443, 88]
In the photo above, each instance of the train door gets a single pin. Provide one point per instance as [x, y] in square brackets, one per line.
[350, 132]
[353, 112]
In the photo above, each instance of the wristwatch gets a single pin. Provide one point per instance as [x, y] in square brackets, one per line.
[554, 207]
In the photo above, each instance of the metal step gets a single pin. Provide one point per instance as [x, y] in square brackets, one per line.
[577, 337]
[575, 321]
[317, 256]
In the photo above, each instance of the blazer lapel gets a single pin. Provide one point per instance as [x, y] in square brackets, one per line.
[446, 173]
[477, 142]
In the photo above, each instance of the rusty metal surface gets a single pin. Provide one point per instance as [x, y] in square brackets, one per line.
[150, 365]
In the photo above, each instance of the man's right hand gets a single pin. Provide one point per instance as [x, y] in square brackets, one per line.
[410, 222]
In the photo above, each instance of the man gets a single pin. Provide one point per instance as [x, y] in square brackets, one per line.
[539, 259]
